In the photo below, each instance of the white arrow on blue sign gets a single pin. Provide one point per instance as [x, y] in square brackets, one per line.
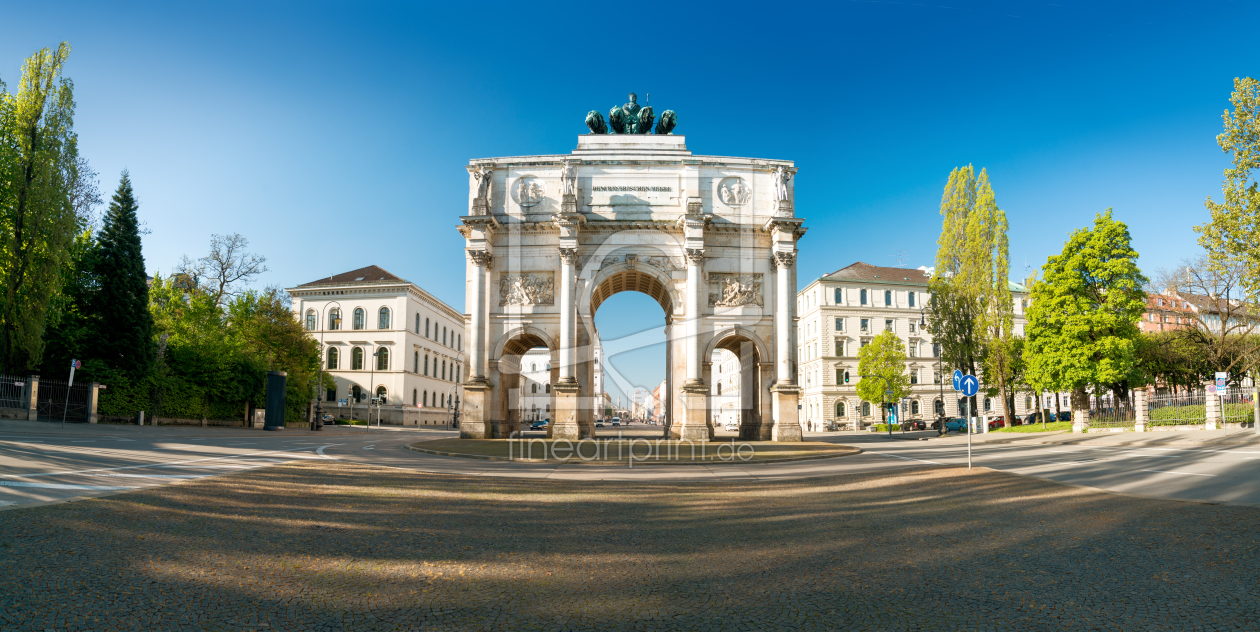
[970, 385]
[958, 376]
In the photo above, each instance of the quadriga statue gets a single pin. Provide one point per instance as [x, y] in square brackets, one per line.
[631, 118]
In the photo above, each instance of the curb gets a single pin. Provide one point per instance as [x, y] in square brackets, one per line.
[579, 461]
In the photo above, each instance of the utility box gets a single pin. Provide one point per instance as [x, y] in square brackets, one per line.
[275, 400]
[260, 418]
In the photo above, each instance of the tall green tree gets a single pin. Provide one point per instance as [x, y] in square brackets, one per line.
[1231, 233]
[971, 308]
[124, 326]
[39, 171]
[1082, 323]
[882, 368]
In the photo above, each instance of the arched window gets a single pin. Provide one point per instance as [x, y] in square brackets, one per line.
[356, 393]
[1027, 402]
[332, 358]
[444, 369]
[863, 293]
[533, 388]
[442, 400]
[548, 387]
[382, 359]
[416, 364]
[310, 319]
[988, 404]
[356, 359]
[940, 407]
[444, 337]
[533, 367]
[912, 299]
[840, 405]
[866, 409]
[380, 394]
[334, 319]
[914, 407]
[548, 366]
[426, 364]
[424, 398]
[839, 296]
[358, 318]
[887, 298]
[426, 328]
[417, 324]
[383, 318]
[459, 346]
[415, 397]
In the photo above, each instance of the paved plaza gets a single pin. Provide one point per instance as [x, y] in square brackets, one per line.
[344, 546]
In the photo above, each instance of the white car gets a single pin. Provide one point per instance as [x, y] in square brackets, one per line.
[732, 426]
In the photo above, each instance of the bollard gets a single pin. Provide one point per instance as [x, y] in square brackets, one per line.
[141, 422]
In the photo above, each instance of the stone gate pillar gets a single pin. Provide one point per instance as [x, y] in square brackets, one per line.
[1214, 415]
[566, 423]
[1141, 408]
[695, 424]
[785, 392]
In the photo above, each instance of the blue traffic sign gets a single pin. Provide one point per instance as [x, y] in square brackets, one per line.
[970, 385]
[958, 376]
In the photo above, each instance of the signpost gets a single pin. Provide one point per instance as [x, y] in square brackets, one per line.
[969, 385]
[74, 364]
[1222, 382]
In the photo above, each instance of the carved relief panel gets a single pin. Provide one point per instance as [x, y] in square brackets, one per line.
[734, 290]
[529, 288]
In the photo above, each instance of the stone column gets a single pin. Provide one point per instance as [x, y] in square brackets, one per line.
[695, 269]
[1213, 400]
[32, 412]
[565, 423]
[1141, 408]
[477, 333]
[785, 392]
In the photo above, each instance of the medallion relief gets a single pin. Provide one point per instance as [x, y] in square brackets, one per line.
[733, 191]
[734, 290]
[530, 288]
[528, 191]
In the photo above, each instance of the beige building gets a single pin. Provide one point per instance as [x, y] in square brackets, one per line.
[842, 311]
[724, 396]
[384, 337]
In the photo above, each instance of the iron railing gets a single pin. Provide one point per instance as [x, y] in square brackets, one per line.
[1106, 416]
[13, 392]
[1186, 408]
[55, 401]
[1238, 405]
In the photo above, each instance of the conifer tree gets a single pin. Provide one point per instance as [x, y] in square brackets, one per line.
[124, 326]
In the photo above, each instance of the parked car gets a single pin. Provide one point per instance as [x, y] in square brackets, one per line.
[1033, 418]
[539, 425]
[997, 422]
[599, 423]
[956, 423]
[913, 424]
[731, 426]
[1065, 415]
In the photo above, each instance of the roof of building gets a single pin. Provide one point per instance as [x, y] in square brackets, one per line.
[860, 271]
[370, 274]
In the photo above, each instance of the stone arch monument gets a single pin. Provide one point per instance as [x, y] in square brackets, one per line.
[712, 239]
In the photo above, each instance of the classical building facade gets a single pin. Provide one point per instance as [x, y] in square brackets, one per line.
[382, 336]
[725, 394]
[842, 311]
[712, 239]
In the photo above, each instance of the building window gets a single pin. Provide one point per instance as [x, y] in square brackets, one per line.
[887, 298]
[332, 358]
[459, 342]
[940, 407]
[866, 325]
[547, 389]
[424, 398]
[414, 397]
[839, 324]
[444, 343]
[864, 343]
[356, 359]
[444, 369]
[1027, 403]
[913, 348]
[310, 319]
[866, 409]
[988, 404]
[863, 293]
[840, 410]
[533, 388]
[911, 299]
[426, 364]
[380, 394]
[839, 296]
[442, 400]
[426, 328]
[382, 359]
[417, 324]
[334, 320]
[914, 407]
[384, 319]
[839, 346]
[359, 317]
[936, 349]
[416, 364]
[888, 324]
[936, 377]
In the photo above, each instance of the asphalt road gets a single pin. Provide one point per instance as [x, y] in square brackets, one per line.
[40, 466]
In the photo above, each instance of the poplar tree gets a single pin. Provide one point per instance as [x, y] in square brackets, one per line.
[1231, 233]
[124, 326]
[39, 166]
[1082, 323]
[971, 309]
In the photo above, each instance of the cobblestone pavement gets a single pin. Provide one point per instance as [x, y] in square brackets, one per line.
[335, 546]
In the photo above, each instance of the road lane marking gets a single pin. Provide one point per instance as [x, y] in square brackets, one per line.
[899, 457]
[121, 475]
[1066, 462]
[61, 486]
[1170, 472]
[252, 456]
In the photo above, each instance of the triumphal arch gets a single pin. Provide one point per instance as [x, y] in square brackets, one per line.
[712, 239]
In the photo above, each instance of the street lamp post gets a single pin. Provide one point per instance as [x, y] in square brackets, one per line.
[452, 413]
[376, 357]
[319, 396]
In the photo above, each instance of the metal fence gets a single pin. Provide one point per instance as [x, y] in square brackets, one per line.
[56, 401]
[1238, 405]
[1186, 408]
[13, 392]
[1112, 417]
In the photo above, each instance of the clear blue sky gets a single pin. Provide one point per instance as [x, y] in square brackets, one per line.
[334, 135]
